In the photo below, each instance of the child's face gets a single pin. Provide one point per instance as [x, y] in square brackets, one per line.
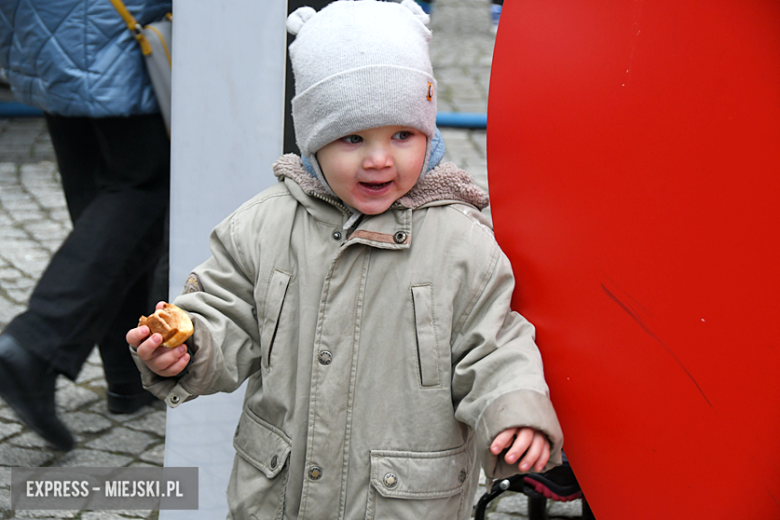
[371, 169]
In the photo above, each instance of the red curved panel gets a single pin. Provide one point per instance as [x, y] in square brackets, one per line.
[634, 169]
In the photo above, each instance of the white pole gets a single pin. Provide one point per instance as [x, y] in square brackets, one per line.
[227, 118]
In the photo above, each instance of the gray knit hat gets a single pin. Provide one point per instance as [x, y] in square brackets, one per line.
[360, 65]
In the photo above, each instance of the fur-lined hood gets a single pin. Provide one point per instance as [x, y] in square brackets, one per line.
[445, 182]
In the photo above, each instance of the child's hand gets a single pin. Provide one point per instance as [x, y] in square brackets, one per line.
[526, 440]
[166, 362]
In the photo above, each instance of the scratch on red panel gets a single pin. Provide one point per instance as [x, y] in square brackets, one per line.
[773, 497]
[635, 31]
[653, 335]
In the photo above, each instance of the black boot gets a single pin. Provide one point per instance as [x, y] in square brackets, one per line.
[27, 385]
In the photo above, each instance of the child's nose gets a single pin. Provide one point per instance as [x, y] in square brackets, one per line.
[378, 157]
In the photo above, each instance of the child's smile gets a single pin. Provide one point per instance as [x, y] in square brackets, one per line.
[371, 169]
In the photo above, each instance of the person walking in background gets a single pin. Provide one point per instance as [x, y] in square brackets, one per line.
[77, 61]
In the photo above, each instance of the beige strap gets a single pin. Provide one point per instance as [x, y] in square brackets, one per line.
[133, 25]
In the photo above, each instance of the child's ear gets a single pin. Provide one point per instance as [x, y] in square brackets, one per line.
[417, 11]
[299, 17]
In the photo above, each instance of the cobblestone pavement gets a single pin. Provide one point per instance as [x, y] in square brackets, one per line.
[34, 221]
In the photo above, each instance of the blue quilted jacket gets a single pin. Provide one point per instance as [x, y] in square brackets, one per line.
[77, 57]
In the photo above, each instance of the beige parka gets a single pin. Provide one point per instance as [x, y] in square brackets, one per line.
[381, 362]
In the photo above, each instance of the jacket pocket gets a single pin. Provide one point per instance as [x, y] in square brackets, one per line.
[427, 485]
[260, 471]
[427, 339]
[274, 301]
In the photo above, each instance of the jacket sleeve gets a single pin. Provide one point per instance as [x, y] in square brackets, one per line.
[498, 378]
[225, 347]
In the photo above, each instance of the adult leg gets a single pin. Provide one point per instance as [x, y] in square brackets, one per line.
[27, 382]
[116, 239]
[150, 149]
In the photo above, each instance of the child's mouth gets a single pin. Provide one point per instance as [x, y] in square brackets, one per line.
[374, 185]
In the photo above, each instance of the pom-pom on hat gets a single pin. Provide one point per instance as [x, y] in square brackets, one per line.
[358, 65]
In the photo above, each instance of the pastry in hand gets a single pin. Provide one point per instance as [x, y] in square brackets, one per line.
[172, 323]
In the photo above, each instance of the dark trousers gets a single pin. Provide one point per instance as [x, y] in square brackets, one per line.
[116, 177]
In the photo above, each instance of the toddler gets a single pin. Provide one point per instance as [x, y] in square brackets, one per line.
[365, 299]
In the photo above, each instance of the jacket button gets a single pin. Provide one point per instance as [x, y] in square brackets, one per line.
[337, 235]
[390, 480]
[274, 461]
[462, 476]
[315, 472]
[175, 398]
[325, 357]
[399, 237]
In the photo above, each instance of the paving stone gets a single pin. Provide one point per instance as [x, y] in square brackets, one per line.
[153, 422]
[122, 440]
[43, 229]
[44, 514]
[143, 465]
[99, 386]
[29, 439]
[155, 455]
[20, 283]
[134, 513]
[515, 503]
[83, 422]
[103, 515]
[8, 170]
[6, 412]
[11, 234]
[72, 397]
[5, 499]
[8, 429]
[89, 372]
[93, 459]
[14, 456]
[19, 295]
[94, 357]
[564, 509]
[63, 217]
[8, 274]
[504, 516]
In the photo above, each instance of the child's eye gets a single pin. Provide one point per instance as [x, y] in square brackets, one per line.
[402, 135]
[352, 139]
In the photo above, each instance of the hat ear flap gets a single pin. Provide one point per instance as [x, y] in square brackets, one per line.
[299, 17]
[417, 11]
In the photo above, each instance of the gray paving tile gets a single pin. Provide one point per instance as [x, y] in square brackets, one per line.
[28, 439]
[103, 515]
[72, 397]
[44, 514]
[153, 422]
[92, 458]
[15, 456]
[122, 440]
[8, 429]
[84, 422]
[89, 372]
[156, 455]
